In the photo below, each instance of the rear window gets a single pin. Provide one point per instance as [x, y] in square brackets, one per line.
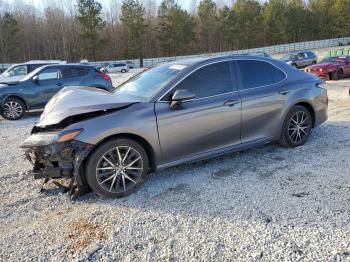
[258, 73]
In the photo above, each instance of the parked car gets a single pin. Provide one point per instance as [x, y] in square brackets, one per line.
[18, 71]
[300, 59]
[117, 67]
[171, 114]
[35, 89]
[331, 68]
[130, 64]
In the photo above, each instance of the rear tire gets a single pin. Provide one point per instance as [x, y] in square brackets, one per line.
[296, 127]
[117, 168]
[337, 75]
[123, 71]
[13, 109]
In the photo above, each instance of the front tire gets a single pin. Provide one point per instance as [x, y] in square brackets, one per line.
[123, 71]
[117, 168]
[296, 127]
[13, 109]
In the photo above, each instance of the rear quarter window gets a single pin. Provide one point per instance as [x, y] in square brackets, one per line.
[256, 73]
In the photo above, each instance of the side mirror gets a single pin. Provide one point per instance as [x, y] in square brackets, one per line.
[35, 79]
[179, 96]
[7, 74]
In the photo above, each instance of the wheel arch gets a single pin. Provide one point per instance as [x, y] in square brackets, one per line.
[310, 108]
[142, 141]
[17, 97]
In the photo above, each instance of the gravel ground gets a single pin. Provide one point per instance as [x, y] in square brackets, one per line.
[263, 204]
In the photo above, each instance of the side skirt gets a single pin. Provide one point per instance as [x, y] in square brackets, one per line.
[217, 152]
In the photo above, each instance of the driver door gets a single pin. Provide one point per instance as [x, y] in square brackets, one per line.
[212, 120]
[48, 84]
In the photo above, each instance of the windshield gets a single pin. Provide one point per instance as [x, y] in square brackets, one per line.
[148, 83]
[287, 57]
[334, 59]
[32, 74]
[16, 70]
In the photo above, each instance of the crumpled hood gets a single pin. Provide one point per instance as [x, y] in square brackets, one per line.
[72, 101]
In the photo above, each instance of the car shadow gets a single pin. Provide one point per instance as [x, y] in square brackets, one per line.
[267, 184]
[28, 116]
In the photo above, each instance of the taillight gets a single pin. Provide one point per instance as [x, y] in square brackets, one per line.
[104, 76]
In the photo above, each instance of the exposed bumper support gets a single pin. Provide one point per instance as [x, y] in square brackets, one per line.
[61, 160]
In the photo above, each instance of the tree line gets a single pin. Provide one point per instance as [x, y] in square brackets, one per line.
[129, 29]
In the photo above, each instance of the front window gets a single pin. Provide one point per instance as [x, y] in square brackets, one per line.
[50, 74]
[150, 82]
[210, 80]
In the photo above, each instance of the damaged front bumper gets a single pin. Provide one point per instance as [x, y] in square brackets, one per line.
[53, 160]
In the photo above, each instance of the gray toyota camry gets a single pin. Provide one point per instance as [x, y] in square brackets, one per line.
[171, 114]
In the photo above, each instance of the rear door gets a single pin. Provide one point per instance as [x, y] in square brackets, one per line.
[262, 98]
[212, 120]
[73, 75]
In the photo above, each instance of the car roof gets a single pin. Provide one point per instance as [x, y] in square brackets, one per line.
[205, 60]
[68, 65]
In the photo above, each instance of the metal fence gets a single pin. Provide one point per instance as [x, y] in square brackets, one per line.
[269, 49]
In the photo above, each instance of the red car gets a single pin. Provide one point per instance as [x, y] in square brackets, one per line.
[331, 68]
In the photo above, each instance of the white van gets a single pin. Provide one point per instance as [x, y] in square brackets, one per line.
[117, 67]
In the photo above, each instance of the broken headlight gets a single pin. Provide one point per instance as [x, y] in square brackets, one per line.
[42, 139]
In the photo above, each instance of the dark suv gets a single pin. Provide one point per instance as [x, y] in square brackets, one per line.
[300, 59]
[35, 89]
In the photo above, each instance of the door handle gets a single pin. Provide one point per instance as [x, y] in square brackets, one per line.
[59, 84]
[231, 103]
[285, 92]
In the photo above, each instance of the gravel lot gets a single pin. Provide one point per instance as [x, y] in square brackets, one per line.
[263, 204]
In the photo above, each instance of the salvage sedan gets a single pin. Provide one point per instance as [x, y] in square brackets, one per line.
[331, 68]
[172, 114]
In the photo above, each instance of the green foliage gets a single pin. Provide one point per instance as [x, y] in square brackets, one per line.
[138, 31]
[134, 27]
[10, 37]
[176, 28]
[91, 22]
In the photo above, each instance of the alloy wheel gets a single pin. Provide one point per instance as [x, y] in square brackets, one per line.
[12, 109]
[299, 127]
[119, 169]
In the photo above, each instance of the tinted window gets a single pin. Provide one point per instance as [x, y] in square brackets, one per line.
[255, 73]
[50, 74]
[277, 74]
[207, 81]
[68, 72]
